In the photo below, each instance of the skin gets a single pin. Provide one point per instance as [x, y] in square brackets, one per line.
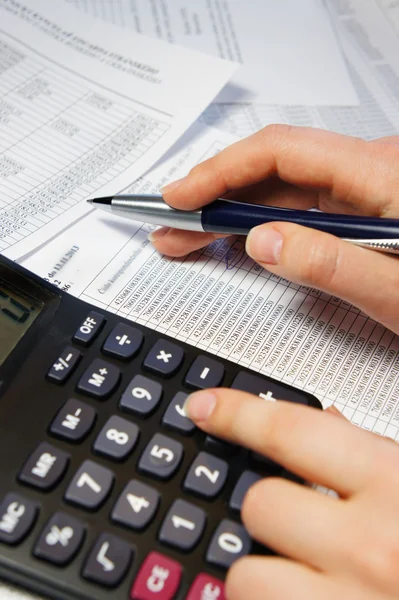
[346, 547]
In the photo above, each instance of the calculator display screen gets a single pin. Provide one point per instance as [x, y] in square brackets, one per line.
[18, 310]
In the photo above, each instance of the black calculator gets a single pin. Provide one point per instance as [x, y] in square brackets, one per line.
[105, 485]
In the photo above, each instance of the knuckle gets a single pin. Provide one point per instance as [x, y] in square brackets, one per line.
[378, 558]
[282, 427]
[321, 261]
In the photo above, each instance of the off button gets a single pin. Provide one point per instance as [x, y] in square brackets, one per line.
[89, 328]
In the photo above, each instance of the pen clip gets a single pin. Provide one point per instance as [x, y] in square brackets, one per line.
[380, 245]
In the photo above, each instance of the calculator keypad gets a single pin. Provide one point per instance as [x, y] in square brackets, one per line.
[183, 525]
[186, 524]
[17, 516]
[158, 579]
[207, 475]
[175, 417]
[64, 366]
[99, 380]
[162, 457]
[123, 342]
[164, 358]
[60, 539]
[141, 396]
[45, 466]
[136, 506]
[230, 542]
[117, 438]
[90, 485]
[74, 421]
[108, 560]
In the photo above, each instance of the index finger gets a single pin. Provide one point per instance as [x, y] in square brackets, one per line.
[318, 447]
[359, 176]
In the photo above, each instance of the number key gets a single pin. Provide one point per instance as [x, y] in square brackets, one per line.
[117, 438]
[206, 476]
[230, 541]
[136, 505]
[90, 486]
[141, 396]
[183, 525]
[162, 457]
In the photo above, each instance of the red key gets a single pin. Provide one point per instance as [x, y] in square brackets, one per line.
[158, 578]
[206, 587]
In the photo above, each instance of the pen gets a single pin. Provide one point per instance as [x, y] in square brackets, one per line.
[232, 217]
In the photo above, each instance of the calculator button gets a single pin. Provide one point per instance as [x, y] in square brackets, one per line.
[220, 447]
[175, 417]
[158, 579]
[89, 328]
[108, 561]
[117, 438]
[45, 467]
[100, 379]
[123, 342]
[246, 480]
[204, 372]
[141, 396]
[136, 506]
[183, 525]
[206, 476]
[229, 542]
[74, 421]
[164, 358]
[64, 365]
[17, 516]
[90, 485]
[162, 457]
[205, 587]
[60, 539]
[267, 389]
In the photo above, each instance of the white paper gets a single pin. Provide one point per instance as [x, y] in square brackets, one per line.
[85, 108]
[288, 48]
[371, 47]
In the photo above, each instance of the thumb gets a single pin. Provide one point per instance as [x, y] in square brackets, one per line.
[363, 277]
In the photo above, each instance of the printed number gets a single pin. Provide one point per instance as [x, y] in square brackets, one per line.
[85, 478]
[141, 393]
[211, 475]
[161, 453]
[119, 437]
[137, 502]
[230, 543]
[180, 522]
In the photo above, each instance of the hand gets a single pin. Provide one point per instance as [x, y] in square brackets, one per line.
[304, 168]
[333, 548]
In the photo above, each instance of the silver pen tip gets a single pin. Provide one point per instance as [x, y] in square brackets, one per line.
[90, 201]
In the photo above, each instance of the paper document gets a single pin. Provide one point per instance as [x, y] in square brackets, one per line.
[288, 49]
[371, 47]
[85, 108]
[220, 300]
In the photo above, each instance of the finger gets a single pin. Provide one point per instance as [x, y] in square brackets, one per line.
[287, 517]
[302, 439]
[349, 169]
[365, 278]
[272, 578]
[176, 242]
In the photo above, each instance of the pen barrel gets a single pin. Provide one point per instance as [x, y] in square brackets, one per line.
[229, 216]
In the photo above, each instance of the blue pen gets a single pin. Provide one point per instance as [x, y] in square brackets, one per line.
[232, 217]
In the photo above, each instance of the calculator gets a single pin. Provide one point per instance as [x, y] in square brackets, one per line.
[105, 485]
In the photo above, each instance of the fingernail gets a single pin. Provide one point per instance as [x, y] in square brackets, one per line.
[156, 235]
[171, 186]
[199, 406]
[264, 245]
